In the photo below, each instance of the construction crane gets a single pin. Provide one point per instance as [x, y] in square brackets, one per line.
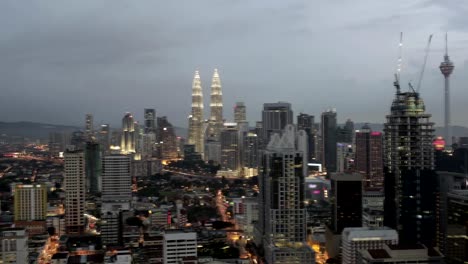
[396, 83]
[424, 64]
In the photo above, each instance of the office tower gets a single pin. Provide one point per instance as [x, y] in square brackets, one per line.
[104, 138]
[275, 117]
[302, 145]
[249, 216]
[110, 228]
[230, 149]
[446, 68]
[190, 154]
[373, 208]
[344, 157]
[250, 153]
[166, 139]
[355, 239]
[148, 145]
[282, 217]
[93, 167]
[196, 135]
[150, 123]
[240, 114]
[397, 254]
[13, 245]
[78, 140]
[410, 182]
[128, 137]
[329, 140]
[116, 182]
[75, 189]
[369, 156]
[346, 193]
[179, 246]
[346, 133]
[306, 122]
[30, 201]
[139, 132]
[89, 127]
[216, 121]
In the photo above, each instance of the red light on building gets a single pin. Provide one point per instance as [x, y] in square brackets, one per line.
[376, 133]
[439, 143]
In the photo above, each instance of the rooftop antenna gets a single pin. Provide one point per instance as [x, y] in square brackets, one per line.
[396, 83]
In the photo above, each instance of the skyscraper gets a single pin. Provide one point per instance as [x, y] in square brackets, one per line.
[446, 67]
[306, 122]
[216, 107]
[249, 154]
[93, 167]
[128, 138]
[240, 112]
[410, 182]
[104, 137]
[75, 189]
[275, 117]
[329, 140]
[230, 148]
[150, 124]
[116, 182]
[89, 127]
[196, 135]
[281, 227]
[369, 156]
[166, 139]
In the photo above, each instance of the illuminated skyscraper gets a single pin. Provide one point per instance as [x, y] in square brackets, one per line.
[240, 114]
[216, 107]
[196, 135]
[128, 139]
[166, 139]
[369, 156]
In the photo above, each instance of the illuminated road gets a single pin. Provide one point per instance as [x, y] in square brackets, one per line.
[50, 248]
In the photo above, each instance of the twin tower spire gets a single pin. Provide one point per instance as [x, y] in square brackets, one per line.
[199, 129]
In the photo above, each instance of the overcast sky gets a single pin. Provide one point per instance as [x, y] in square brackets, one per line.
[62, 59]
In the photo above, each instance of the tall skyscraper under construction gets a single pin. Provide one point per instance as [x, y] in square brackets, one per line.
[410, 182]
[196, 135]
[281, 228]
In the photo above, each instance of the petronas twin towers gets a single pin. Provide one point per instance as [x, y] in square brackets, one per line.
[199, 129]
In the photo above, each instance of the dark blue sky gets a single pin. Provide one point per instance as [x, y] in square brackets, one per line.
[62, 59]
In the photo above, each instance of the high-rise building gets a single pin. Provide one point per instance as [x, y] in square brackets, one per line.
[275, 117]
[240, 114]
[344, 156]
[346, 133]
[447, 67]
[346, 200]
[306, 122]
[75, 189]
[93, 167]
[249, 154]
[179, 246]
[196, 135]
[369, 156]
[30, 202]
[128, 137]
[78, 140]
[150, 123]
[13, 245]
[104, 138]
[281, 227]
[373, 208]
[89, 127]
[216, 121]
[329, 140]
[410, 182]
[229, 140]
[116, 182]
[166, 139]
[355, 239]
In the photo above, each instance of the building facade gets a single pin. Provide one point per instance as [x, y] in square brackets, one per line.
[75, 189]
[128, 137]
[196, 134]
[369, 156]
[329, 140]
[116, 182]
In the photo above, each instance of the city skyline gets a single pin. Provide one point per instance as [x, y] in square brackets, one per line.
[141, 71]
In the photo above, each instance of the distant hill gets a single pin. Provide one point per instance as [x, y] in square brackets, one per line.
[35, 130]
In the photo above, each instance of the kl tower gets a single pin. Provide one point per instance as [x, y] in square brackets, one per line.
[446, 67]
